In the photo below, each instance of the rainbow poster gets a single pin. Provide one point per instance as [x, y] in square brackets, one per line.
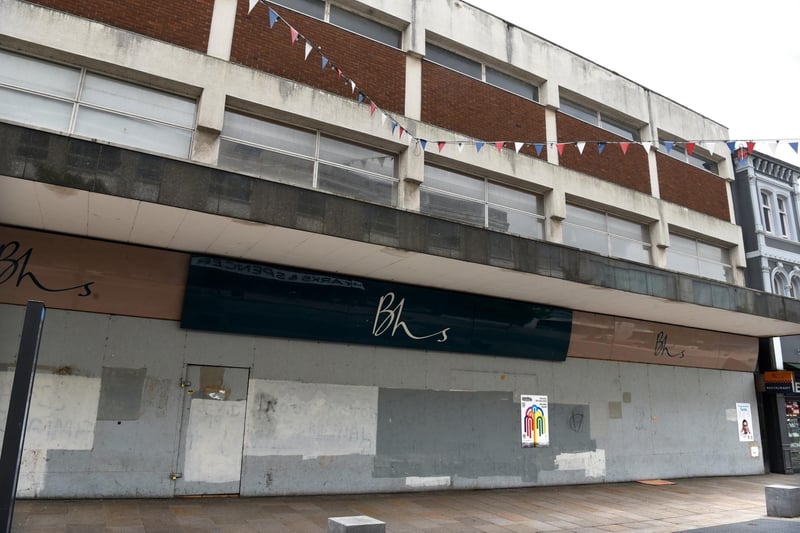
[535, 430]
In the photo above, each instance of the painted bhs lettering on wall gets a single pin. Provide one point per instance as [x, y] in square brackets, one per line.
[389, 318]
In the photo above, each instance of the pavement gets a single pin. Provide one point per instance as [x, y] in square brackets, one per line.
[718, 505]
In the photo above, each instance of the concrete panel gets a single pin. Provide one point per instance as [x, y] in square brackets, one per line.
[214, 439]
[121, 393]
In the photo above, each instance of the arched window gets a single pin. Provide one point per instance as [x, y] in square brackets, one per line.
[795, 283]
[781, 285]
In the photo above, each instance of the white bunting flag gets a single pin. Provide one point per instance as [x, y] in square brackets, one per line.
[518, 146]
[383, 118]
[252, 5]
[580, 145]
[353, 86]
[460, 147]
[308, 48]
[647, 145]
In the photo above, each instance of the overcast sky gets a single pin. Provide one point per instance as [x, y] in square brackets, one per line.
[735, 61]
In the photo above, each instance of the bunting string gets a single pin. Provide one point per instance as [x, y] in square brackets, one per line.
[741, 148]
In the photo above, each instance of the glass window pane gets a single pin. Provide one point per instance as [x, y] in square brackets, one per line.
[627, 249]
[627, 228]
[454, 182]
[356, 156]
[269, 134]
[682, 263]
[579, 112]
[585, 239]
[266, 163]
[586, 217]
[446, 206]
[511, 84]
[517, 222]
[35, 110]
[364, 26]
[682, 244]
[623, 131]
[138, 100]
[506, 196]
[37, 75]
[453, 61]
[314, 8]
[715, 271]
[714, 253]
[356, 184]
[133, 132]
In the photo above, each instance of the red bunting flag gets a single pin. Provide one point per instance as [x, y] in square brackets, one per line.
[560, 147]
[402, 131]
[750, 146]
[339, 72]
[624, 147]
[441, 145]
[499, 145]
[294, 34]
[690, 148]
[372, 108]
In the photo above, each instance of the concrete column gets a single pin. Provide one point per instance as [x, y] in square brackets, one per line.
[549, 97]
[210, 116]
[652, 166]
[220, 38]
[413, 109]
[659, 240]
[555, 211]
[411, 170]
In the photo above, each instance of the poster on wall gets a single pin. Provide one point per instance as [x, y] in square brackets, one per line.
[535, 431]
[744, 422]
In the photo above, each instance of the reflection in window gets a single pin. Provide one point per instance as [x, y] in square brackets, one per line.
[606, 234]
[306, 158]
[477, 201]
[686, 254]
[598, 119]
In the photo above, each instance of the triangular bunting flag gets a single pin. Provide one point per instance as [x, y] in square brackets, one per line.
[750, 146]
[252, 5]
[410, 139]
[441, 146]
[690, 148]
[794, 146]
[294, 33]
[518, 146]
[539, 147]
[423, 143]
[383, 118]
[372, 108]
[273, 17]
[647, 145]
[360, 97]
[773, 147]
[339, 73]
[478, 146]
[460, 147]
[560, 147]
[668, 145]
[499, 145]
[580, 145]
[624, 147]
[308, 49]
[402, 131]
[394, 126]
[324, 62]
[352, 86]
[731, 146]
[600, 148]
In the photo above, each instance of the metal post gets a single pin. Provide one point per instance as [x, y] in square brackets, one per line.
[18, 406]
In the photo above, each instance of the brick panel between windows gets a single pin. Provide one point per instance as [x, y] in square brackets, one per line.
[462, 104]
[378, 70]
[629, 170]
[185, 23]
[692, 187]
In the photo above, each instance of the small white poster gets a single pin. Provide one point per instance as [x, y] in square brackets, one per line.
[744, 421]
[535, 432]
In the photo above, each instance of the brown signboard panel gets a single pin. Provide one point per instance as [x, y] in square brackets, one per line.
[89, 275]
[636, 341]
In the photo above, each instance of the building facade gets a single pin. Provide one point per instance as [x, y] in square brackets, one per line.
[766, 200]
[320, 246]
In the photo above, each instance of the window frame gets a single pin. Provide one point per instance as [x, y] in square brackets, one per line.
[698, 258]
[598, 118]
[607, 231]
[697, 161]
[766, 210]
[784, 224]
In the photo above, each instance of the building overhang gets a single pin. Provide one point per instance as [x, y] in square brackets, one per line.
[132, 197]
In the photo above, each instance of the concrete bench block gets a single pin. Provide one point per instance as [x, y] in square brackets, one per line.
[355, 524]
[782, 500]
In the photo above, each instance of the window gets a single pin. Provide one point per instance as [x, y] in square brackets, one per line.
[606, 234]
[306, 158]
[700, 258]
[74, 101]
[781, 285]
[766, 211]
[346, 19]
[679, 153]
[783, 217]
[477, 201]
[481, 72]
[598, 119]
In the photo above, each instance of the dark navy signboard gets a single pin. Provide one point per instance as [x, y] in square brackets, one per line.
[238, 297]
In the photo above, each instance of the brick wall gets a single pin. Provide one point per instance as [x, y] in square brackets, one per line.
[182, 22]
[692, 187]
[629, 170]
[379, 70]
[463, 104]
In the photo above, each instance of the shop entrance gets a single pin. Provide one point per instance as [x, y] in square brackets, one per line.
[212, 430]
